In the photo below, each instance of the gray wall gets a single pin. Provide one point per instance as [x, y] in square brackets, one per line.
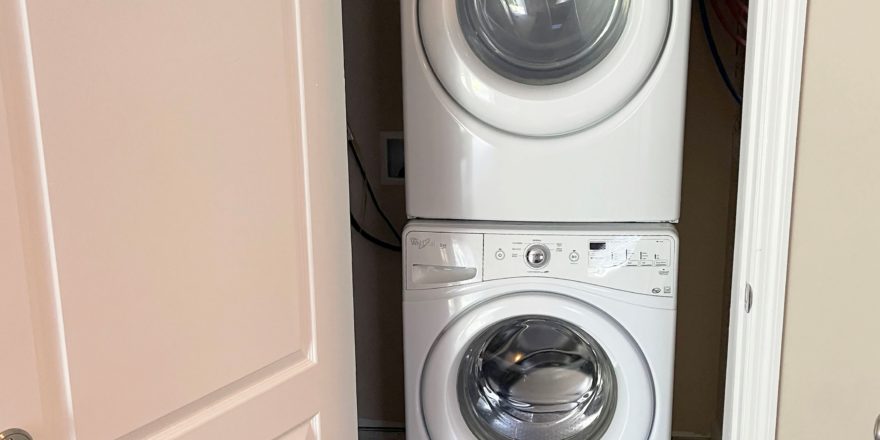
[373, 90]
[374, 104]
[706, 230]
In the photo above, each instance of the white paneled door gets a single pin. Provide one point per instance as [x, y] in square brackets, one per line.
[174, 245]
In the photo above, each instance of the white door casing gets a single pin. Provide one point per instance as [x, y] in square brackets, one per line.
[175, 246]
[771, 107]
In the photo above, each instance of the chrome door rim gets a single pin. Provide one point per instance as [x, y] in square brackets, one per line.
[536, 376]
[440, 411]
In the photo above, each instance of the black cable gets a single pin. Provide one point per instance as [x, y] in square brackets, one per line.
[370, 237]
[707, 29]
[360, 165]
[354, 223]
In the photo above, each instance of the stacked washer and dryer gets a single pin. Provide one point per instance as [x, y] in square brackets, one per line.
[543, 174]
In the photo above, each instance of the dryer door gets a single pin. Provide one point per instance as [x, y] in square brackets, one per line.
[543, 67]
[536, 365]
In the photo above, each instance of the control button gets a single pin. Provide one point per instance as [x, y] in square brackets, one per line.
[499, 254]
[661, 263]
[537, 256]
[598, 259]
[664, 272]
[656, 290]
[632, 263]
[574, 257]
[646, 263]
[667, 289]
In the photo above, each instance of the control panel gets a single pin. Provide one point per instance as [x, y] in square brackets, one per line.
[642, 264]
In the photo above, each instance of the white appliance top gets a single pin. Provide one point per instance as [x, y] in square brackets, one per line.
[635, 258]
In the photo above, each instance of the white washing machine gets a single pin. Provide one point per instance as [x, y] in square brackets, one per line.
[544, 110]
[539, 332]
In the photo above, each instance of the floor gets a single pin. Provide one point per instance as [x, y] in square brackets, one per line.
[374, 435]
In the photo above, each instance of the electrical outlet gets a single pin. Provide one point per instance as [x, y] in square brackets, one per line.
[393, 164]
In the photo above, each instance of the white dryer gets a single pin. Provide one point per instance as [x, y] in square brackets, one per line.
[544, 110]
[539, 332]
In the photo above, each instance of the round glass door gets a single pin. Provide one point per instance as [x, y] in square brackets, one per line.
[536, 377]
[543, 68]
[536, 365]
[542, 42]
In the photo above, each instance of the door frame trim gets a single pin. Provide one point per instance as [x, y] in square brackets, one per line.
[773, 71]
[30, 186]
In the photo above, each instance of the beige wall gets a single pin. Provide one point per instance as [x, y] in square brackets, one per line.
[831, 348]
[373, 90]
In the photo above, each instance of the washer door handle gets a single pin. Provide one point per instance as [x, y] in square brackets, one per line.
[436, 274]
[877, 429]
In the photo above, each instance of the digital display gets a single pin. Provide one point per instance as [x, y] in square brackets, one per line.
[597, 245]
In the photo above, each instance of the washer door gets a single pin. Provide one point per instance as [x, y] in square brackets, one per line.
[543, 67]
[536, 365]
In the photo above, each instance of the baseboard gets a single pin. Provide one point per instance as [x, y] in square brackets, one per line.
[370, 435]
[373, 423]
[680, 435]
[371, 429]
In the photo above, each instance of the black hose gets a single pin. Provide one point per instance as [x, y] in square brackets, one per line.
[707, 29]
[370, 237]
[373, 198]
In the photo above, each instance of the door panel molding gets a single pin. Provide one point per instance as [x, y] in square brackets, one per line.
[230, 408]
[27, 159]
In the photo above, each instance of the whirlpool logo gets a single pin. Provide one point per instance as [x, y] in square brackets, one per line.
[421, 243]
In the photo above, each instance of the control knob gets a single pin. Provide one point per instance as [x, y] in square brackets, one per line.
[537, 256]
